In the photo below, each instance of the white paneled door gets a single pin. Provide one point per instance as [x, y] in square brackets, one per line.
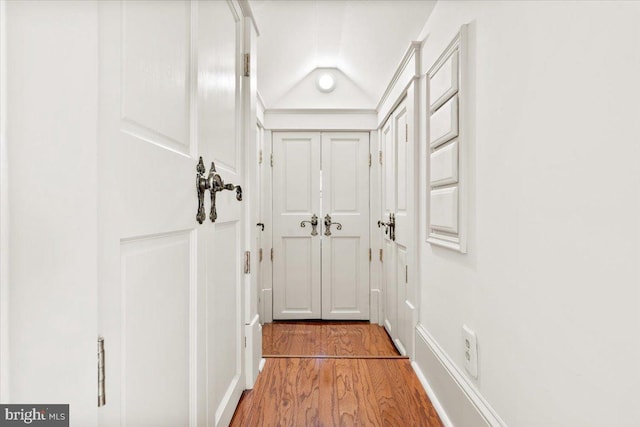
[396, 167]
[321, 220]
[170, 294]
[296, 241]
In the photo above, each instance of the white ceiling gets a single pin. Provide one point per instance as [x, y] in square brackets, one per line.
[364, 39]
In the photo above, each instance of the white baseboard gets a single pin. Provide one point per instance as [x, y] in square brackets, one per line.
[457, 401]
[253, 350]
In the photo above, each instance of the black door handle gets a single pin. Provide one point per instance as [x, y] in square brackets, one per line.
[261, 225]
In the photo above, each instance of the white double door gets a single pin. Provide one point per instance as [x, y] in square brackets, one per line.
[321, 271]
[170, 291]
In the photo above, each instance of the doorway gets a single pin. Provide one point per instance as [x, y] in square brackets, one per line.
[321, 225]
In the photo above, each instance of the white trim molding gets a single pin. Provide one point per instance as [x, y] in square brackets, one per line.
[448, 124]
[407, 71]
[320, 119]
[457, 401]
[4, 214]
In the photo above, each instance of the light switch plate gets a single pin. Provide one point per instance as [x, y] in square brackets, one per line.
[470, 347]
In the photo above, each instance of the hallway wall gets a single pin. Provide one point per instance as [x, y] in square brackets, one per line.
[550, 282]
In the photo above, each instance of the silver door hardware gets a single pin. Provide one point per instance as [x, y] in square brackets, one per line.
[380, 255]
[385, 225]
[201, 186]
[261, 225]
[327, 225]
[260, 255]
[314, 224]
[392, 226]
[247, 262]
[271, 255]
[389, 227]
[214, 184]
[406, 274]
[369, 254]
[101, 373]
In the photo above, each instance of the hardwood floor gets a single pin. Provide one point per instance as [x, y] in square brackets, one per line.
[344, 339]
[336, 392]
[333, 374]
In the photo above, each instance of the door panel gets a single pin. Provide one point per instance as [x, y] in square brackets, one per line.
[396, 174]
[151, 47]
[157, 287]
[296, 198]
[345, 253]
[223, 366]
[170, 292]
[400, 337]
[217, 129]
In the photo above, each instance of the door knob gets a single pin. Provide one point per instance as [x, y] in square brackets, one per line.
[261, 225]
[389, 227]
[214, 184]
[327, 225]
[201, 186]
[385, 225]
[314, 224]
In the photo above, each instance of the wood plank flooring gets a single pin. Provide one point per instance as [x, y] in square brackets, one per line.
[336, 392]
[357, 380]
[353, 339]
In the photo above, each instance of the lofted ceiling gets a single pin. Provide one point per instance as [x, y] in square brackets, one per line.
[360, 41]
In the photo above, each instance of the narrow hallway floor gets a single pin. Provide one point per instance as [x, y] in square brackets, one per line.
[333, 374]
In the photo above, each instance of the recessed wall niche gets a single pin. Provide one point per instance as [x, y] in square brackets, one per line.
[446, 101]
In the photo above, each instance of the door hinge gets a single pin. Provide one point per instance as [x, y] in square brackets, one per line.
[380, 157]
[271, 160]
[260, 158]
[380, 255]
[247, 65]
[406, 132]
[369, 254]
[406, 274]
[245, 342]
[271, 254]
[260, 255]
[247, 262]
[101, 373]
[369, 159]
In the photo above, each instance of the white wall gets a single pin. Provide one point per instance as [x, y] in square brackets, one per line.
[551, 280]
[51, 99]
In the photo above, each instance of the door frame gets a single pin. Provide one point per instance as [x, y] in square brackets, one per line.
[405, 85]
[4, 213]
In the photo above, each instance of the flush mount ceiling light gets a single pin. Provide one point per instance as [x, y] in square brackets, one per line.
[326, 83]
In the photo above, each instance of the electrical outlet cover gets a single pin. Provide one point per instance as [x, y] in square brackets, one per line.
[470, 348]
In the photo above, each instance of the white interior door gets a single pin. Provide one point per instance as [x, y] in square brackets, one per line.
[170, 293]
[345, 244]
[296, 198]
[389, 283]
[395, 173]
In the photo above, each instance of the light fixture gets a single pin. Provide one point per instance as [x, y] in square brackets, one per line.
[326, 83]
